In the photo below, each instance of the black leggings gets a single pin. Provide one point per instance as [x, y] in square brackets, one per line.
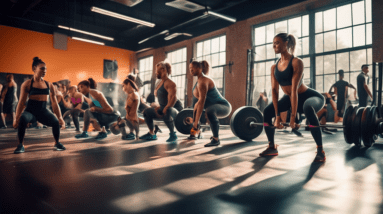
[215, 112]
[75, 114]
[36, 110]
[340, 106]
[102, 118]
[309, 103]
[150, 114]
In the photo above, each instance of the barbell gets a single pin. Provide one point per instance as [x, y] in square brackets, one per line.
[246, 123]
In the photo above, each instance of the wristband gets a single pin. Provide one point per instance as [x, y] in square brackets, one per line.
[278, 115]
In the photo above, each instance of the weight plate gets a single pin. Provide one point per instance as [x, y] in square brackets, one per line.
[348, 117]
[365, 129]
[356, 129]
[240, 123]
[180, 120]
[114, 128]
[180, 123]
[373, 123]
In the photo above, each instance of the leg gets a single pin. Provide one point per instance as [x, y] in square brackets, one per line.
[75, 114]
[133, 125]
[46, 117]
[149, 114]
[322, 116]
[26, 117]
[169, 117]
[213, 113]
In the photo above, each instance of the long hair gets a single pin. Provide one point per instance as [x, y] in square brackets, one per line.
[130, 81]
[290, 39]
[89, 83]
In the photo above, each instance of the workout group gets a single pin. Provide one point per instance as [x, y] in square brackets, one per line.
[84, 99]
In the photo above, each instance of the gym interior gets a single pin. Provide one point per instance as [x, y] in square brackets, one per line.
[108, 40]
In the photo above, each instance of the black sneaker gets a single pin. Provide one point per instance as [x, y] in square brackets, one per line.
[19, 149]
[157, 129]
[59, 147]
[320, 157]
[270, 151]
[213, 142]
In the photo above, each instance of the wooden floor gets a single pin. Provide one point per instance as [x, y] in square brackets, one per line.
[116, 176]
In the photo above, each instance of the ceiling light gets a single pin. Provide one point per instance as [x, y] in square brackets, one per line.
[163, 32]
[90, 41]
[175, 35]
[120, 16]
[228, 18]
[85, 32]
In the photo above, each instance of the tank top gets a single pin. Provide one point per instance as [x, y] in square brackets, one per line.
[95, 102]
[285, 77]
[212, 97]
[36, 91]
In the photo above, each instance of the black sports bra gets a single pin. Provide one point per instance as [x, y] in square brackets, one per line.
[285, 77]
[42, 91]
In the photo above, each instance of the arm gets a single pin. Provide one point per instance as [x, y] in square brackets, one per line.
[367, 89]
[23, 99]
[274, 91]
[297, 76]
[171, 88]
[77, 96]
[131, 109]
[67, 104]
[106, 108]
[4, 92]
[198, 108]
[55, 106]
[332, 103]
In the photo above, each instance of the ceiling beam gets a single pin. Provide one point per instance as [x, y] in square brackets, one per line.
[30, 6]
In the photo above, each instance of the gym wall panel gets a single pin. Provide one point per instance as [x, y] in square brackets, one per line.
[80, 61]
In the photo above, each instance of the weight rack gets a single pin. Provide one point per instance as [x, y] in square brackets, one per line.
[377, 92]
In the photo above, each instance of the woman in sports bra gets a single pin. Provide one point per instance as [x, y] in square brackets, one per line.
[288, 73]
[37, 90]
[209, 99]
[100, 114]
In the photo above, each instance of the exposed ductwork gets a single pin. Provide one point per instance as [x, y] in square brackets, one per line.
[129, 3]
[185, 5]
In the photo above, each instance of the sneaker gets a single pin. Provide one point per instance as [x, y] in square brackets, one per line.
[172, 138]
[19, 149]
[59, 147]
[148, 136]
[213, 142]
[129, 136]
[82, 135]
[270, 151]
[101, 135]
[108, 131]
[320, 157]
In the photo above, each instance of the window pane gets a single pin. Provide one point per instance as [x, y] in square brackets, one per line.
[270, 33]
[305, 25]
[268, 68]
[358, 13]
[270, 51]
[368, 10]
[344, 16]
[368, 34]
[319, 65]
[305, 45]
[369, 57]
[329, 19]
[319, 43]
[298, 47]
[344, 38]
[215, 45]
[150, 63]
[260, 53]
[329, 41]
[306, 70]
[147, 64]
[329, 80]
[215, 60]
[208, 59]
[259, 84]
[357, 59]
[206, 47]
[184, 54]
[342, 62]
[259, 69]
[174, 57]
[260, 35]
[179, 56]
[353, 77]
[318, 22]
[329, 64]
[295, 26]
[222, 43]
[199, 49]
[184, 68]
[222, 58]
[281, 27]
[199, 59]
[319, 83]
[359, 36]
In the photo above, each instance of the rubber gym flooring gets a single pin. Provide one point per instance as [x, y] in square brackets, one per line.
[116, 176]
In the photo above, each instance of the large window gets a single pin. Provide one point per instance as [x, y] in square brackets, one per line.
[214, 52]
[146, 71]
[178, 60]
[343, 38]
[265, 56]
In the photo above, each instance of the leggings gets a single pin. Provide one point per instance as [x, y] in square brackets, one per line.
[102, 118]
[215, 112]
[150, 114]
[36, 110]
[340, 106]
[75, 114]
[309, 103]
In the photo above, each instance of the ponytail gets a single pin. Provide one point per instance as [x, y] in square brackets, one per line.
[92, 83]
[291, 41]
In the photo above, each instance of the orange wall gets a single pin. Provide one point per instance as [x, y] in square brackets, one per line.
[80, 61]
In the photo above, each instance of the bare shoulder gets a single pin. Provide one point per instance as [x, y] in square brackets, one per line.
[26, 84]
[135, 96]
[297, 61]
[170, 83]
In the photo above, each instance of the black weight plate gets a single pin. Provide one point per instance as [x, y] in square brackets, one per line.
[348, 117]
[240, 123]
[365, 132]
[373, 123]
[179, 122]
[356, 129]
